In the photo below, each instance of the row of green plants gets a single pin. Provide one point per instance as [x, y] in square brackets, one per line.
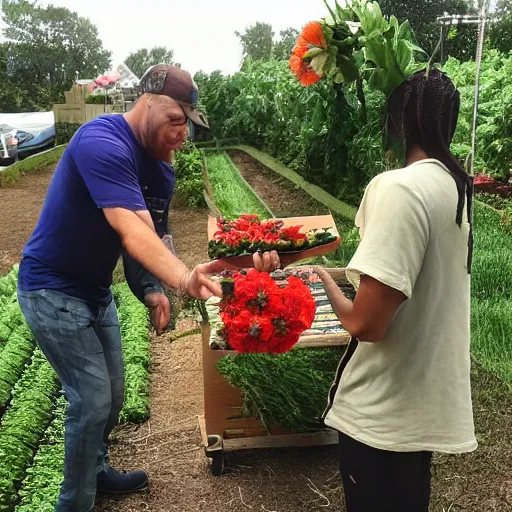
[32, 413]
[23, 425]
[231, 194]
[330, 138]
[41, 486]
[135, 333]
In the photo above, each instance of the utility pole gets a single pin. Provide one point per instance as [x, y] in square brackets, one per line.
[480, 20]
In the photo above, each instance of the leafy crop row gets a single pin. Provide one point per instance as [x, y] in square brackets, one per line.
[24, 424]
[231, 194]
[13, 359]
[134, 321]
[41, 486]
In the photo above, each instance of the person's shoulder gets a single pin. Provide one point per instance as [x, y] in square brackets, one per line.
[103, 135]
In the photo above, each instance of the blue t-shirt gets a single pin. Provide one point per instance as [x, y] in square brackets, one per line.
[73, 248]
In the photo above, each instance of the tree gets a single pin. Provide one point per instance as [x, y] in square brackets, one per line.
[500, 31]
[283, 47]
[47, 49]
[257, 41]
[423, 18]
[9, 92]
[142, 59]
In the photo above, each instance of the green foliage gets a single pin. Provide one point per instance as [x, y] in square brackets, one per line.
[423, 15]
[500, 31]
[188, 164]
[288, 389]
[64, 132]
[492, 293]
[257, 41]
[8, 282]
[283, 48]
[13, 358]
[494, 130]
[98, 99]
[48, 48]
[32, 164]
[142, 59]
[134, 322]
[231, 194]
[24, 424]
[40, 488]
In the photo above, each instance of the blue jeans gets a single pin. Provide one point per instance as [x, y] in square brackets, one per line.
[83, 344]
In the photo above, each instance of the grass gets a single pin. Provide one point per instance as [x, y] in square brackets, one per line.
[232, 195]
[31, 164]
[491, 309]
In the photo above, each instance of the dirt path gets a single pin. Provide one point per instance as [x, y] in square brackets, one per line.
[20, 206]
[168, 446]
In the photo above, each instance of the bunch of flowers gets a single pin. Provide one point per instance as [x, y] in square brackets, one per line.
[247, 235]
[258, 315]
[356, 41]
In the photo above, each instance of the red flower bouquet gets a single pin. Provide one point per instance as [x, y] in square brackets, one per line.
[258, 315]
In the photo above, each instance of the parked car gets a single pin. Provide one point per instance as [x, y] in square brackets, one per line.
[33, 141]
[25, 134]
[8, 145]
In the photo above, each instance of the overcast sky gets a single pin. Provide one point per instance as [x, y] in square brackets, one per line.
[201, 32]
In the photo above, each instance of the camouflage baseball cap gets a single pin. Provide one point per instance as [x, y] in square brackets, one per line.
[177, 84]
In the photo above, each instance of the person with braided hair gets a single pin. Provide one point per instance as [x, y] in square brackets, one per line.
[402, 390]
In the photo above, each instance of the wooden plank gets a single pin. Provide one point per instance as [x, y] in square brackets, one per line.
[202, 429]
[309, 439]
[323, 340]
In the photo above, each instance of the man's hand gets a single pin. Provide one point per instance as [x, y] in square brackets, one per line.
[160, 309]
[266, 262]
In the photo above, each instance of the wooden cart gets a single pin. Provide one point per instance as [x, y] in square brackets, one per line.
[224, 428]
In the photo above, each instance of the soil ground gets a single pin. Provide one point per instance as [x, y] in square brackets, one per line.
[168, 446]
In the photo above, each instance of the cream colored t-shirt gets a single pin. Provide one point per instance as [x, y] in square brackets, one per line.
[411, 391]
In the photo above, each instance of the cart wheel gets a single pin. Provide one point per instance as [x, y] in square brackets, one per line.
[217, 465]
[215, 451]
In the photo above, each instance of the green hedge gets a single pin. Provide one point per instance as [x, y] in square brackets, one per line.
[98, 99]
[64, 132]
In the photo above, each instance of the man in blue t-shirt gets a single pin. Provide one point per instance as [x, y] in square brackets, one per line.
[109, 195]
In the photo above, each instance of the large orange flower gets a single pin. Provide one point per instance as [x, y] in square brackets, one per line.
[312, 36]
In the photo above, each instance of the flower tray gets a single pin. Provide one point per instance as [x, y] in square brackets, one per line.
[288, 257]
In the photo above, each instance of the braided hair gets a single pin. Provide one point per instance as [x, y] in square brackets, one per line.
[423, 111]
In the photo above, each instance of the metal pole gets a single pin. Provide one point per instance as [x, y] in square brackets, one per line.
[481, 37]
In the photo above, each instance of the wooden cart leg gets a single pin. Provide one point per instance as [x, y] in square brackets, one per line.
[215, 451]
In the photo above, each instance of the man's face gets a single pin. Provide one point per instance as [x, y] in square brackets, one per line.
[167, 127]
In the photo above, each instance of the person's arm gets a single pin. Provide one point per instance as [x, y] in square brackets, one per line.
[386, 264]
[367, 318]
[143, 244]
[143, 283]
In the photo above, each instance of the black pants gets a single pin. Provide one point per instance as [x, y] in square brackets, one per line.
[381, 481]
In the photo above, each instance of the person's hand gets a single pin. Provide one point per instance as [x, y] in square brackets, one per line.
[160, 309]
[266, 262]
[197, 282]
